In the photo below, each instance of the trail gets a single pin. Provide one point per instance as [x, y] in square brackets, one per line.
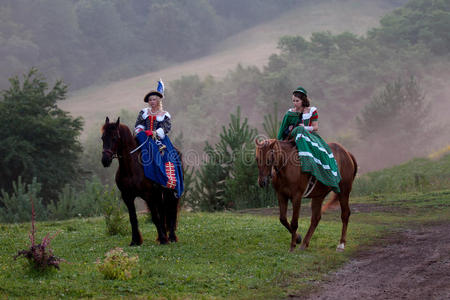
[410, 264]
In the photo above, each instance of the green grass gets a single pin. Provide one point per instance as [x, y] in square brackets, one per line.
[420, 174]
[219, 255]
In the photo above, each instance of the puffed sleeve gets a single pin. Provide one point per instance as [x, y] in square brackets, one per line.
[314, 116]
[140, 123]
[282, 128]
[166, 124]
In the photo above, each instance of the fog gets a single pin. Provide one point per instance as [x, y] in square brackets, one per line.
[111, 53]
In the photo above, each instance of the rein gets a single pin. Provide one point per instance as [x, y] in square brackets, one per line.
[113, 155]
[276, 168]
[136, 149]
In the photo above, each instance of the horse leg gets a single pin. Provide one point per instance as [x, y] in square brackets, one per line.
[158, 216]
[171, 204]
[295, 239]
[283, 206]
[316, 215]
[136, 236]
[345, 215]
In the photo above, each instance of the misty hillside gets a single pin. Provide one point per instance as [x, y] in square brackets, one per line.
[382, 94]
[250, 47]
[89, 42]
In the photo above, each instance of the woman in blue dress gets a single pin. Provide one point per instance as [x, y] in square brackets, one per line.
[161, 161]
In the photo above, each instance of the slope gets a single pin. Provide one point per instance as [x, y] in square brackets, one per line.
[250, 47]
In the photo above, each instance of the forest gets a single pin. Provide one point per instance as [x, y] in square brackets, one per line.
[87, 42]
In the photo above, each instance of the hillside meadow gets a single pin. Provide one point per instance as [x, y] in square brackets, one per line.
[218, 256]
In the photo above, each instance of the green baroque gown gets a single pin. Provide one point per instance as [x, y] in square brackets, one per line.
[315, 155]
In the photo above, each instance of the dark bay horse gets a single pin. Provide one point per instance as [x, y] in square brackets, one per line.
[279, 160]
[131, 181]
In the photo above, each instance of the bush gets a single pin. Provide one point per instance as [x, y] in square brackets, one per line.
[74, 203]
[16, 207]
[113, 211]
[117, 265]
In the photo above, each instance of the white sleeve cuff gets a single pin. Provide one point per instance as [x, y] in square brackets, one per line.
[139, 128]
[160, 133]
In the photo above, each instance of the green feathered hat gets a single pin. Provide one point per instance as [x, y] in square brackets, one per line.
[300, 89]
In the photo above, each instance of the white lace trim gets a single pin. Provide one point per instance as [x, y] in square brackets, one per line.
[159, 118]
[306, 116]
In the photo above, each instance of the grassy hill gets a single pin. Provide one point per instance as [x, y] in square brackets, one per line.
[219, 255]
[250, 47]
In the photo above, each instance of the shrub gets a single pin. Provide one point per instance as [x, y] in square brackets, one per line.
[16, 206]
[40, 256]
[115, 219]
[72, 202]
[117, 265]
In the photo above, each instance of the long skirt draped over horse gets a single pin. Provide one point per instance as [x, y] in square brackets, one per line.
[315, 155]
[316, 158]
[163, 168]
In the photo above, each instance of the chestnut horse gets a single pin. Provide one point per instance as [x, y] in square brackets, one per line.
[279, 160]
[131, 181]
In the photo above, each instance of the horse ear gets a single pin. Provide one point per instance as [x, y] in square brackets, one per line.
[118, 121]
[107, 120]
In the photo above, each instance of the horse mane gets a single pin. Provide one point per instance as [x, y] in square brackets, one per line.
[126, 135]
[124, 131]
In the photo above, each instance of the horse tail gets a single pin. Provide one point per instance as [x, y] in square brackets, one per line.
[355, 164]
[331, 203]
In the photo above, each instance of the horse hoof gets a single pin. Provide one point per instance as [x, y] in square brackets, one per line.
[163, 242]
[340, 247]
[133, 243]
[302, 247]
[299, 239]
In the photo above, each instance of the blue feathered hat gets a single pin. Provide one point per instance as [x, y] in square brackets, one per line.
[158, 92]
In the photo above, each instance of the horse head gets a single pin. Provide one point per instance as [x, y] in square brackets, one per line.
[265, 158]
[111, 139]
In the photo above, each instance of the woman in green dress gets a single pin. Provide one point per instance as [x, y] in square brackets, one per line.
[301, 124]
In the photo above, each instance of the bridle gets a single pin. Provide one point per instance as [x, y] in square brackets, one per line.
[271, 165]
[110, 152]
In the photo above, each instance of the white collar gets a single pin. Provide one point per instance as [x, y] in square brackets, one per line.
[159, 118]
[306, 116]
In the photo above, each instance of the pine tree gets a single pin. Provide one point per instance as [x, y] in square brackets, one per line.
[212, 178]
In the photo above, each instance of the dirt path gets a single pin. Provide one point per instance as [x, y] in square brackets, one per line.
[411, 264]
[408, 264]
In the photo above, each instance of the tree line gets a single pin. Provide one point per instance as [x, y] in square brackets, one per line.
[345, 75]
[93, 41]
